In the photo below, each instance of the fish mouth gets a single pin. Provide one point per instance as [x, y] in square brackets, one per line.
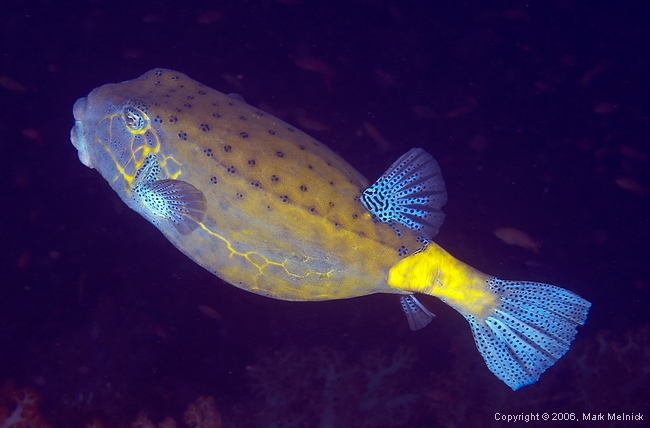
[77, 135]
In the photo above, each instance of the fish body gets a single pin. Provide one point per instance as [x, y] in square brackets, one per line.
[270, 210]
[283, 216]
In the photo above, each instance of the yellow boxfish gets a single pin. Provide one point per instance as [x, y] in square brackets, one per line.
[271, 210]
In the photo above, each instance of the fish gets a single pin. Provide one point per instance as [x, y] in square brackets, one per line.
[519, 238]
[271, 210]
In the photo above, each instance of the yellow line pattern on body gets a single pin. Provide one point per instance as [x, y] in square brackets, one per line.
[138, 156]
[260, 266]
[145, 148]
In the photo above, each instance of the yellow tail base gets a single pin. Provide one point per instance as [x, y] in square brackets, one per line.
[435, 272]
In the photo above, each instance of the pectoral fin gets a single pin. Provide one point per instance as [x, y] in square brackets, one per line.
[180, 203]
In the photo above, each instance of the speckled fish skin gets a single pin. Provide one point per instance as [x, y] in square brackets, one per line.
[283, 216]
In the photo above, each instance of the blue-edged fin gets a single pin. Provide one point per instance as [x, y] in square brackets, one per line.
[531, 328]
[411, 192]
[417, 315]
[180, 203]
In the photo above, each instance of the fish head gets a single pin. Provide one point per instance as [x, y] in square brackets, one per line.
[114, 134]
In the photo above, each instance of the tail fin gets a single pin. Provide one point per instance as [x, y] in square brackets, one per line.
[529, 330]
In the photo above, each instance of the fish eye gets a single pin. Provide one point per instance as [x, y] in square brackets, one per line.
[134, 118]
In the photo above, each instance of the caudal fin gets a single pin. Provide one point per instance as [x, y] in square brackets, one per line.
[530, 329]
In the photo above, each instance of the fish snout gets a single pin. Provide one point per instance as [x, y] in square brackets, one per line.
[77, 135]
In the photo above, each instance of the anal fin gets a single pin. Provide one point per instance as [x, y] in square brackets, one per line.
[417, 315]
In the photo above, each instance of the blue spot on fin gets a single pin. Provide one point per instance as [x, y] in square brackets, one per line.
[532, 327]
[180, 203]
[411, 192]
[417, 315]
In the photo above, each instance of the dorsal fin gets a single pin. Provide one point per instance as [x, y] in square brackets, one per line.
[411, 192]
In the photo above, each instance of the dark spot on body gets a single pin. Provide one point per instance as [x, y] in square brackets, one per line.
[157, 119]
[190, 97]
[355, 215]
[251, 162]
[331, 204]
[301, 147]
[279, 154]
[208, 152]
[158, 83]
[256, 184]
[202, 92]
[227, 148]
[231, 170]
[178, 109]
[260, 113]
[182, 135]
[242, 117]
[284, 198]
[173, 119]
[272, 132]
[310, 167]
[243, 135]
[216, 115]
[312, 210]
[213, 180]
[204, 127]
[331, 183]
[188, 105]
[240, 195]
[303, 188]
[290, 129]
[174, 77]
[275, 178]
[402, 251]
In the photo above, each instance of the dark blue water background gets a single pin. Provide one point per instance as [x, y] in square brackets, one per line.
[533, 110]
